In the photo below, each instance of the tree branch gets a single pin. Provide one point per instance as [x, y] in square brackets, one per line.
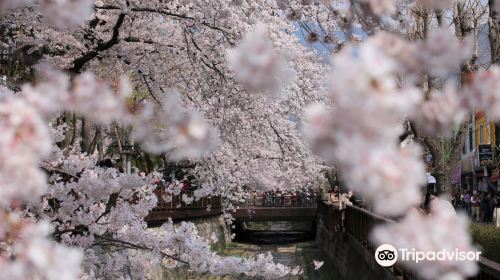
[115, 39]
[149, 89]
[136, 246]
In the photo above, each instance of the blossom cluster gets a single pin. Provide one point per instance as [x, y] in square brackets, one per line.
[257, 65]
[364, 91]
[59, 13]
[194, 250]
[26, 248]
[94, 208]
[38, 256]
[386, 7]
[85, 94]
[182, 132]
[85, 219]
[479, 93]
[432, 234]
[25, 140]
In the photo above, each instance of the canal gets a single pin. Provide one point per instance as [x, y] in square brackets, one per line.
[291, 254]
[291, 244]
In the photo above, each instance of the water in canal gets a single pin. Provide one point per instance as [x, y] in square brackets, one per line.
[288, 245]
[290, 254]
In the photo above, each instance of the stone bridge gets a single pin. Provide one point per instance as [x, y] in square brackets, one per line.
[177, 210]
[256, 208]
[277, 208]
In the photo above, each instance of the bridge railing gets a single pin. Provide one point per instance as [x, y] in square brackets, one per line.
[358, 223]
[175, 202]
[281, 201]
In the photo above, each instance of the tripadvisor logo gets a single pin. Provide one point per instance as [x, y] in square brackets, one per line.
[387, 255]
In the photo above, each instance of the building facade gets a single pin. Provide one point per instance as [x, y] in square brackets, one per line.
[478, 153]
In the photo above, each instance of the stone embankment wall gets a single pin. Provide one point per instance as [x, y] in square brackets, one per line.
[351, 259]
[205, 226]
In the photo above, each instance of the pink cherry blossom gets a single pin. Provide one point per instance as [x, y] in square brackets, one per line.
[442, 113]
[66, 13]
[431, 233]
[257, 65]
[11, 4]
[443, 52]
[479, 93]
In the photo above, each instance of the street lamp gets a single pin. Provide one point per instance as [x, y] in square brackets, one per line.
[128, 151]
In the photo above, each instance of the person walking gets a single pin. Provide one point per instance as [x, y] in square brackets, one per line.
[462, 201]
[483, 185]
[485, 208]
[467, 202]
[496, 214]
[475, 201]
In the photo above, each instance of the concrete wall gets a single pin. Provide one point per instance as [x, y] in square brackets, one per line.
[350, 258]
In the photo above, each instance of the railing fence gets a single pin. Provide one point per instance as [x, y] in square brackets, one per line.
[358, 223]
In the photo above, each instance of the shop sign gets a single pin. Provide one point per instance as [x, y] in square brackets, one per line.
[485, 155]
[456, 176]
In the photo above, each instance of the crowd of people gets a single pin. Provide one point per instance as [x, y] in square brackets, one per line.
[341, 199]
[481, 206]
[188, 182]
[284, 197]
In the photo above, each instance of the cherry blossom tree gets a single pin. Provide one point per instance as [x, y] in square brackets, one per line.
[224, 84]
[94, 208]
[185, 51]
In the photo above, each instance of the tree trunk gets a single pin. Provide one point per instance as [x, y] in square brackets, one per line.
[100, 144]
[494, 34]
[86, 131]
[446, 153]
[120, 148]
